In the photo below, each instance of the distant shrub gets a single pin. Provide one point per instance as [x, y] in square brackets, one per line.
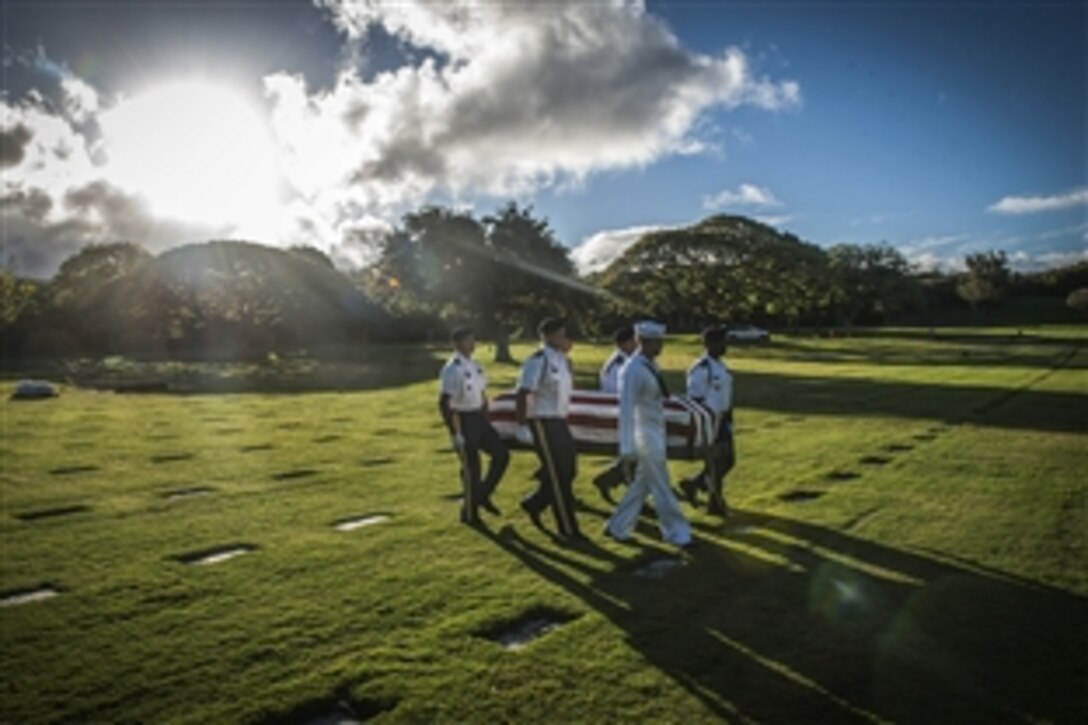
[1078, 300]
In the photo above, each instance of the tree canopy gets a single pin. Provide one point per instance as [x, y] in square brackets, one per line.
[500, 273]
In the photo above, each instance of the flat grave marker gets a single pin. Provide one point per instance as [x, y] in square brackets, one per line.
[358, 522]
[17, 597]
[216, 555]
[53, 512]
[520, 632]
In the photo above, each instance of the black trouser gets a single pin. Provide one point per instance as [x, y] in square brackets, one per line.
[720, 461]
[558, 463]
[480, 436]
[611, 476]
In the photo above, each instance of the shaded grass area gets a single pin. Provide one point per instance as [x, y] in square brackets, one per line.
[947, 583]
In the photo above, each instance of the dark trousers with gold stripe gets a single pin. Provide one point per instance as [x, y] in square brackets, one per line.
[558, 465]
[479, 436]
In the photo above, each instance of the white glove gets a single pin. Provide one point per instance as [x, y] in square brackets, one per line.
[524, 435]
[458, 442]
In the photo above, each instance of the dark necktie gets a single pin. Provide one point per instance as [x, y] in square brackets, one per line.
[657, 376]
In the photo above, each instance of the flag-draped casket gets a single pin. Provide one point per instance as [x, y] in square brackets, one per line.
[593, 420]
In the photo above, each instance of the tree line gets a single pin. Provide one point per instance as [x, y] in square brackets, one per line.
[501, 272]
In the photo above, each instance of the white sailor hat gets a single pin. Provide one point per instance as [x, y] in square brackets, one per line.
[649, 330]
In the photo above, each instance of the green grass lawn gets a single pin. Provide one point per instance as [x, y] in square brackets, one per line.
[909, 543]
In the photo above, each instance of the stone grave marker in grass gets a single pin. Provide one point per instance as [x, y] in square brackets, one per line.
[358, 522]
[518, 633]
[840, 476]
[800, 494]
[171, 458]
[71, 470]
[52, 512]
[257, 447]
[186, 492]
[898, 448]
[874, 460]
[215, 555]
[15, 597]
[295, 474]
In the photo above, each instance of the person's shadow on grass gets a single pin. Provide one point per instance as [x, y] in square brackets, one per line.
[780, 621]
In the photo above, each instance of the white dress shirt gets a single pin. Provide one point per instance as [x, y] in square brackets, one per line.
[610, 372]
[710, 381]
[642, 409]
[464, 381]
[546, 374]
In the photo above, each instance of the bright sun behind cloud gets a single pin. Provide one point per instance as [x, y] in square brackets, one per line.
[197, 151]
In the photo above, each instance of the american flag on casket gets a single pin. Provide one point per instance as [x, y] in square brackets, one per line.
[593, 420]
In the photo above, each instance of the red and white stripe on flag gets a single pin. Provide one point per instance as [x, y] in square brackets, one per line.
[594, 424]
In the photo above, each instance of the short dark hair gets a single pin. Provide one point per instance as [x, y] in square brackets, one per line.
[460, 333]
[623, 334]
[713, 334]
[550, 325]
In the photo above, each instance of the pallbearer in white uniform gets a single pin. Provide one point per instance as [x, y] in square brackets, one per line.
[462, 401]
[610, 383]
[711, 384]
[643, 442]
[543, 402]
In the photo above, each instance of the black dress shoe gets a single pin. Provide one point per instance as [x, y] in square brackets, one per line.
[489, 507]
[533, 514]
[576, 540]
[717, 507]
[690, 489]
[605, 489]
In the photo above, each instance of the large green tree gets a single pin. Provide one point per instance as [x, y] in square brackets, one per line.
[501, 272]
[986, 278]
[871, 280]
[725, 268]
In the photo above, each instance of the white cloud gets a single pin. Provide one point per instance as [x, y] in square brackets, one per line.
[56, 198]
[774, 220]
[929, 243]
[598, 251]
[746, 195]
[1027, 262]
[1036, 204]
[521, 96]
[80, 98]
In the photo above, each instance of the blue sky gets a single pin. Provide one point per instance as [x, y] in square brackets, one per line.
[941, 128]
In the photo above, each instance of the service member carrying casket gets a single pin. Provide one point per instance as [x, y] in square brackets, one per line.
[462, 401]
[711, 384]
[543, 401]
[626, 344]
[643, 443]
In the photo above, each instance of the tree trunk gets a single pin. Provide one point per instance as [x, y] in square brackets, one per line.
[502, 346]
